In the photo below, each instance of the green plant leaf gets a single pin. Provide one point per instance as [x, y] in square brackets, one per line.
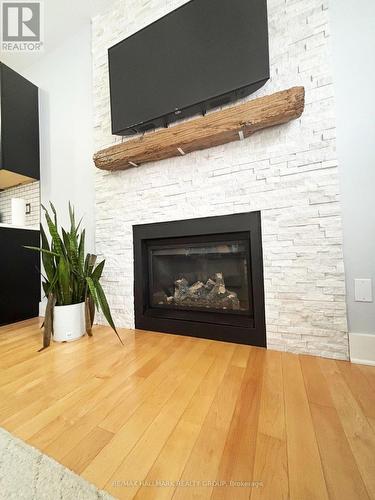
[86, 266]
[98, 271]
[64, 281]
[54, 212]
[105, 307]
[44, 238]
[81, 250]
[79, 225]
[46, 288]
[73, 249]
[42, 250]
[65, 238]
[72, 218]
[54, 233]
[92, 291]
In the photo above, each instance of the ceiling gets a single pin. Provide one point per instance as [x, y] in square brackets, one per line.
[63, 18]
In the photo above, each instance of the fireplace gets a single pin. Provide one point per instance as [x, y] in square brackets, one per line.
[201, 277]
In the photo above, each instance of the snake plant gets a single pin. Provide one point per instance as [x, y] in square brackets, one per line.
[71, 277]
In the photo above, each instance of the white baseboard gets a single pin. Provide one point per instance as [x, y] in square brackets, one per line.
[362, 348]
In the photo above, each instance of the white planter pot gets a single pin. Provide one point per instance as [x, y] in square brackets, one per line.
[69, 322]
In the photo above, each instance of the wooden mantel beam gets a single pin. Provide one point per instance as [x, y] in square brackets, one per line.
[230, 124]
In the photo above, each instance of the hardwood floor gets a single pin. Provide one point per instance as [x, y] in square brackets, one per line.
[136, 420]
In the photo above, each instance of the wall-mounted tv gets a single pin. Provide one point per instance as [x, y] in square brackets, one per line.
[203, 55]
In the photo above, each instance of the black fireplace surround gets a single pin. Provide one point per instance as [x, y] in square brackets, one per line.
[202, 278]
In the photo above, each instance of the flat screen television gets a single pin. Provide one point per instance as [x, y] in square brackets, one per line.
[203, 55]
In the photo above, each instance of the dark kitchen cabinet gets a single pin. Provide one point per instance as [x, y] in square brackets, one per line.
[19, 275]
[19, 159]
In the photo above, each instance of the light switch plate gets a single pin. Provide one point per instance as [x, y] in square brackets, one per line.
[363, 290]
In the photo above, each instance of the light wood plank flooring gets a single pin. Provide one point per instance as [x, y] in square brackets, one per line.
[175, 417]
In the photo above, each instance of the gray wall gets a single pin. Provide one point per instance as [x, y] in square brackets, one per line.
[353, 28]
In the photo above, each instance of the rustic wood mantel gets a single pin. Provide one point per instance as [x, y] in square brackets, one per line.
[230, 124]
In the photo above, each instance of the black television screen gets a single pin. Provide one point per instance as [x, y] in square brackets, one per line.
[202, 55]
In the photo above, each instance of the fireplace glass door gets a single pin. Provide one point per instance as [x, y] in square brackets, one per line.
[210, 274]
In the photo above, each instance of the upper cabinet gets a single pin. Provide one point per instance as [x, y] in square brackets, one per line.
[19, 159]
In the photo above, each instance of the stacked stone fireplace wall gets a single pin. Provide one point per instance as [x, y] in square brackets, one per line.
[289, 173]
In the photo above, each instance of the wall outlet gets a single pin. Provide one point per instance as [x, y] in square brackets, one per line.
[363, 290]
